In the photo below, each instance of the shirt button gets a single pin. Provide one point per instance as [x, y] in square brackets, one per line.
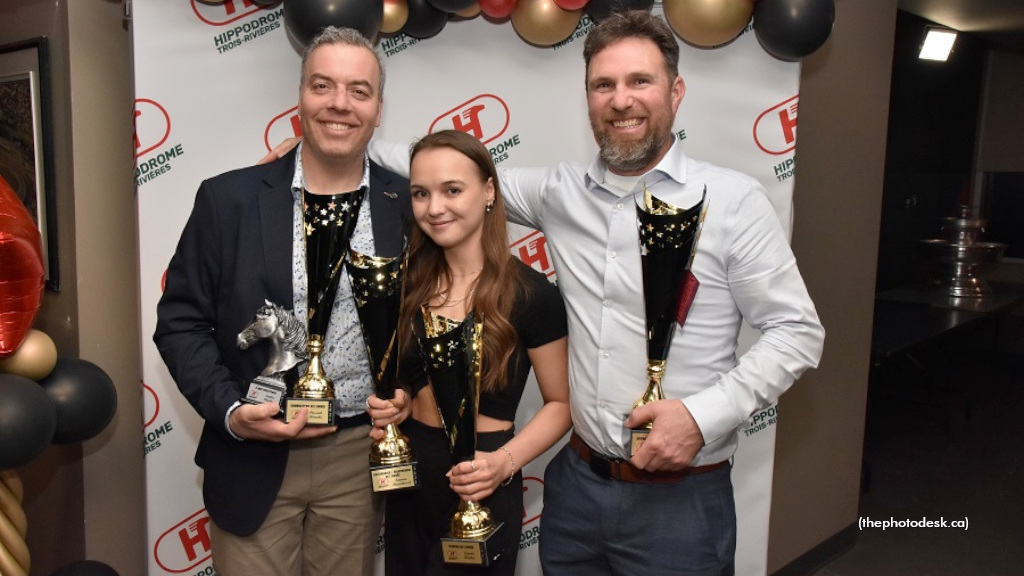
[605, 354]
[607, 303]
[612, 254]
[618, 206]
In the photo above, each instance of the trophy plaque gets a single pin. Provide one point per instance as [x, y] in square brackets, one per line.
[453, 353]
[314, 390]
[287, 337]
[668, 243]
[376, 287]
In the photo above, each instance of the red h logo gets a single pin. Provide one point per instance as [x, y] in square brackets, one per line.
[787, 119]
[195, 533]
[229, 6]
[777, 137]
[532, 250]
[135, 130]
[285, 125]
[185, 545]
[486, 117]
[472, 124]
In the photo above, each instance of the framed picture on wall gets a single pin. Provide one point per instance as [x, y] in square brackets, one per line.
[26, 142]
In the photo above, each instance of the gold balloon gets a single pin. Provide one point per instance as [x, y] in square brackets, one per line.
[396, 13]
[708, 23]
[34, 359]
[470, 11]
[543, 23]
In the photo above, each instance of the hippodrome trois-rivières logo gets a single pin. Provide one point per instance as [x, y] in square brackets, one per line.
[284, 125]
[775, 134]
[153, 153]
[775, 128]
[486, 117]
[532, 249]
[762, 420]
[238, 21]
[533, 502]
[185, 546]
[154, 431]
[584, 27]
[396, 44]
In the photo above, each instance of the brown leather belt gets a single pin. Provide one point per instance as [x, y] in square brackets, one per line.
[618, 469]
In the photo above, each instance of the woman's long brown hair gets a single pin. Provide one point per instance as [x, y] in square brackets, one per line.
[498, 284]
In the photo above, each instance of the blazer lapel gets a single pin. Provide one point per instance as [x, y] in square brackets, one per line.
[275, 208]
[386, 201]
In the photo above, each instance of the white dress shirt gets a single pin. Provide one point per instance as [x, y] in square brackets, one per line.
[745, 267]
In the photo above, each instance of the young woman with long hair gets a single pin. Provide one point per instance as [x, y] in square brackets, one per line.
[459, 262]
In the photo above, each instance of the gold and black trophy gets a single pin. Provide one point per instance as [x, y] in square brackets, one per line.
[668, 243]
[328, 223]
[453, 354]
[377, 289]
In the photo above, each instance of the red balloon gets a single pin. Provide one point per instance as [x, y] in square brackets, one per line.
[21, 270]
[571, 4]
[497, 8]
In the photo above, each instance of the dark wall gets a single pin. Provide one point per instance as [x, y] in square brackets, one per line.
[844, 103]
[933, 118]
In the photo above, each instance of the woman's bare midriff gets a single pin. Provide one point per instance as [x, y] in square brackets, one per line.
[424, 409]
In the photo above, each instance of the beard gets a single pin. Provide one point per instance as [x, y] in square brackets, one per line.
[625, 156]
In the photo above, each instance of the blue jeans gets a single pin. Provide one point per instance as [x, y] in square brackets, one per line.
[592, 526]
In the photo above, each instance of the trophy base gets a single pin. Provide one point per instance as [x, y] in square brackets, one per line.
[637, 439]
[321, 410]
[480, 551]
[265, 389]
[391, 477]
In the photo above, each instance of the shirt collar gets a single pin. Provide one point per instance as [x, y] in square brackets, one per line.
[297, 178]
[672, 166]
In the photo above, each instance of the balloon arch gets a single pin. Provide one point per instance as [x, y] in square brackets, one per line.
[786, 29]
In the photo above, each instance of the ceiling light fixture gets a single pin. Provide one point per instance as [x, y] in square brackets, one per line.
[938, 43]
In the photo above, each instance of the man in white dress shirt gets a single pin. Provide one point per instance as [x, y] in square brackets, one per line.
[669, 509]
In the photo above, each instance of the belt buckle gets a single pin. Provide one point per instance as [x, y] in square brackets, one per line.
[600, 465]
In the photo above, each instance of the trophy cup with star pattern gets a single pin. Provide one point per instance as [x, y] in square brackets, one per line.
[328, 223]
[452, 353]
[668, 243]
[376, 287]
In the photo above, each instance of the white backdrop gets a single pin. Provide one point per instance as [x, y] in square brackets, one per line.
[216, 83]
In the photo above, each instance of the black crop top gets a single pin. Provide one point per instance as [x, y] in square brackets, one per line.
[538, 318]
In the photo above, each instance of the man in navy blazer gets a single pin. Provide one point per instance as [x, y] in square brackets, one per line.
[285, 498]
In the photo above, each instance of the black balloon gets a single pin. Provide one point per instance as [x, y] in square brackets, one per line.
[424, 20]
[85, 568]
[84, 397]
[451, 6]
[27, 420]
[792, 29]
[305, 18]
[599, 9]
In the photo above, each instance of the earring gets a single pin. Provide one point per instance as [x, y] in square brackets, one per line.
[488, 207]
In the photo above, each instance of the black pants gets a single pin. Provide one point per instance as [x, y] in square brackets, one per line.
[416, 520]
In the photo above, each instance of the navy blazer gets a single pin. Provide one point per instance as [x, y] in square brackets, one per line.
[234, 253]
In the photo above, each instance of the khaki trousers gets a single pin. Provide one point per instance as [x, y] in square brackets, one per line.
[325, 520]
